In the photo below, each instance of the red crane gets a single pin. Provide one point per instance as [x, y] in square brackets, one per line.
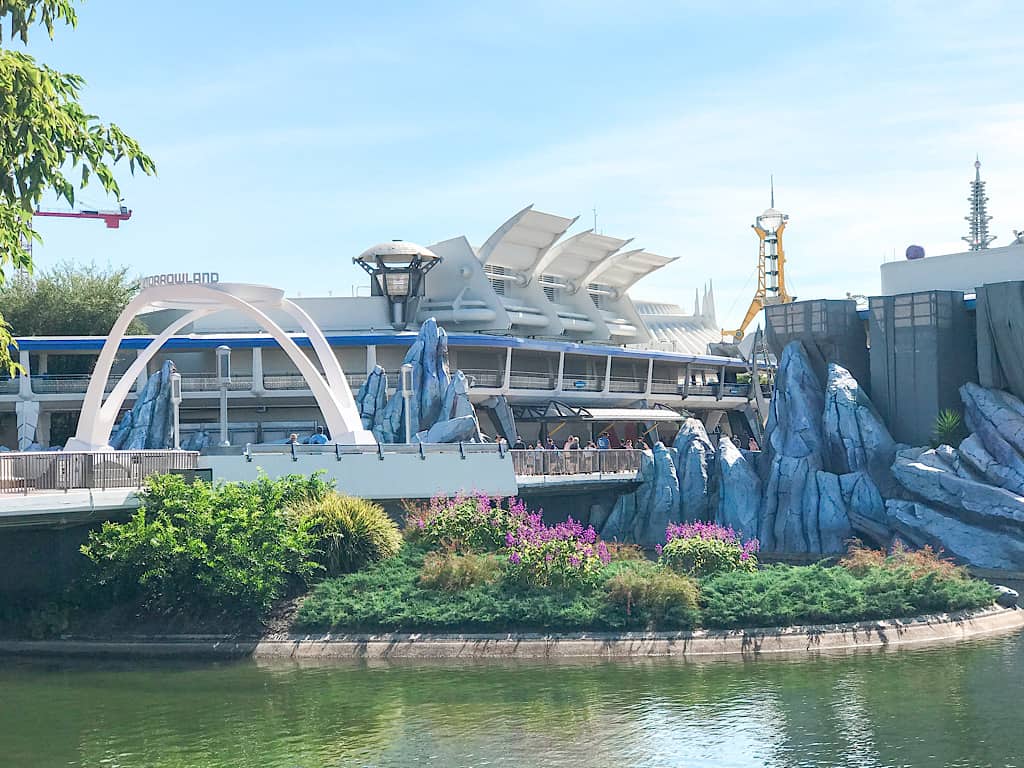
[112, 219]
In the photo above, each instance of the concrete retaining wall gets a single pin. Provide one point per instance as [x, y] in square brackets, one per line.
[751, 643]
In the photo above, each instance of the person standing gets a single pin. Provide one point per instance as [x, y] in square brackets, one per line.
[603, 442]
[318, 437]
[519, 444]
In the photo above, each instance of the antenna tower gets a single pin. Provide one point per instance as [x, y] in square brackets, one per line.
[978, 219]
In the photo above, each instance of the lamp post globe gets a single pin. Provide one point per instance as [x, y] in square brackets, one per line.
[397, 269]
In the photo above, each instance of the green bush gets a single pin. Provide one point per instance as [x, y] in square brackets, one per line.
[783, 595]
[702, 557]
[451, 571]
[653, 596]
[350, 533]
[475, 523]
[197, 548]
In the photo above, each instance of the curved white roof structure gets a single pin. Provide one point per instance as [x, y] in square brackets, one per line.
[622, 270]
[523, 240]
[575, 257]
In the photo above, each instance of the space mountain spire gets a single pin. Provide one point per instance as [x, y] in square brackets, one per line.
[979, 238]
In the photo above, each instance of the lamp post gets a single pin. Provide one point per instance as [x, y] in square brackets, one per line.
[176, 402]
[397, 269]
[224, 380]
[406, 379]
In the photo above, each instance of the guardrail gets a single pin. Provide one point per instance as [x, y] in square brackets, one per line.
[67, 470]
[616, 461]
[208, 382]
[67, 383]
[9, 386]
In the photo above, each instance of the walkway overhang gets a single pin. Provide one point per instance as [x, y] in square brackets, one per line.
[556, 410]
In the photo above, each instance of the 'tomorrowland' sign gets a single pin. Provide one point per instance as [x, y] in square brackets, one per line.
[180, 278]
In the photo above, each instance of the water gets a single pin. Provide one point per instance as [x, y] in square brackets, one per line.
[946, 706]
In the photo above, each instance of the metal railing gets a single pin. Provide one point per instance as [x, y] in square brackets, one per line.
[532, 380]
[484, 377]
[626, 384]
[582, 382]
[66, 470]
[67, 383]
[582, 462]
[297, 381]
[209, 382]
[9, 386]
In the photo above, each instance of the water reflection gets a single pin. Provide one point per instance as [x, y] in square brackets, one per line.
[952, 707]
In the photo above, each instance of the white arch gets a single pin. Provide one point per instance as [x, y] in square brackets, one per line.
[334, 396]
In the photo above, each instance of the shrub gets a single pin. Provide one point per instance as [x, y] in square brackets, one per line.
[349, 532]
[653, 596]
[474, 523]
[621, 552]
[202, 548]
[703, 549]
[861, 560]
[563, 555]
[451, 571]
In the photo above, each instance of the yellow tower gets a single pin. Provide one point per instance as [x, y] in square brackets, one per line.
[771, 266]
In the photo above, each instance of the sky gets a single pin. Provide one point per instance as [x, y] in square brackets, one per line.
[290, 137]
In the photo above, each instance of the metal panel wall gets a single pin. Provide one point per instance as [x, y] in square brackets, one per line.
[922, 350]
[830, 330]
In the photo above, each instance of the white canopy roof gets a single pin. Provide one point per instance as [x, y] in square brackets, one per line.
[523, 240]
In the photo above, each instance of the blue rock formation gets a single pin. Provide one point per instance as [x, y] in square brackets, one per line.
[371, 399]
[641, 517]
[693, 448]
[829, 461]
[440, 409]
[149, 424]
[739, 490]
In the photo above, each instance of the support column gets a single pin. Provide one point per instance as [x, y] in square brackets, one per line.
[43, 429]
[650, 377]
[44, 359]
[371, 358]
[25, 382]
[257, 371]
[608, 375]
[143, 377]
[507, 385]
[561, 371]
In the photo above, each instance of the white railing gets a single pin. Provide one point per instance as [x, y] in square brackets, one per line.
[66, 383]
[67, 470]
[208, 382]
[582, 462]
[9, 386]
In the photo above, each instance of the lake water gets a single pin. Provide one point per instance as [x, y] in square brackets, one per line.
[959, 706]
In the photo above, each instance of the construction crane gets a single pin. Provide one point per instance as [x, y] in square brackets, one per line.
[112, 219]
[771, 266]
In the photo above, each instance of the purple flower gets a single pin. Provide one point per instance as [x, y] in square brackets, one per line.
[515, 558]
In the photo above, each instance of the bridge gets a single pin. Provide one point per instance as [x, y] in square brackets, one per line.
[70, 487]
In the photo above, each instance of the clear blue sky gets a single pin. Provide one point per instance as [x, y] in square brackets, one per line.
[289, 137]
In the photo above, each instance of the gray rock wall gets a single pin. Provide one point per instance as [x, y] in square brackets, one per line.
[150, 422]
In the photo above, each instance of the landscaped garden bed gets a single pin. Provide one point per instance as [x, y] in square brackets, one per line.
[296, 555]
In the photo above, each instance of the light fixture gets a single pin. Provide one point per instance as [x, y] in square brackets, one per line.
[397, 269]
[771, 220]
[176, 403]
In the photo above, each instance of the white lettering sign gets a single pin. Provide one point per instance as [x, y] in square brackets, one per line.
[180, 278]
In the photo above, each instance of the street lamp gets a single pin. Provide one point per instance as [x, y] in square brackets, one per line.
[224, 380]
[406, 381]
[176, 402]
[397, 269]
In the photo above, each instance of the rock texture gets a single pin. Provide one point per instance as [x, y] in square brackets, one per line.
[693, 448]
[828, 455]
[149, 424]
[968, 501]
[440, 409]
[739, 495]
[641, 517]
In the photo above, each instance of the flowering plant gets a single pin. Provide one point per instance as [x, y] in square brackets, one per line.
[467, 522]
[703, 549]
[560, 555]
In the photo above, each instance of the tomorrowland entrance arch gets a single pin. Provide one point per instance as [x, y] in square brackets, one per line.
[330, 389]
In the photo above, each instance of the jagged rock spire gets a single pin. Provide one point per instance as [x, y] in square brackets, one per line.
[978, 219]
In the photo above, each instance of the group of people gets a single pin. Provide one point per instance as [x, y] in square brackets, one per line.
[572, 443]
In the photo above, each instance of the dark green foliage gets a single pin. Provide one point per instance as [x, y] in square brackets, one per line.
[389, 597]
[949, 428]
[782, 595]
[197, 548]
[350, 533]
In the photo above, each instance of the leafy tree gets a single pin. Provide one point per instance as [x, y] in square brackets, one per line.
[68, 300]
[46, 138]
